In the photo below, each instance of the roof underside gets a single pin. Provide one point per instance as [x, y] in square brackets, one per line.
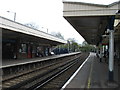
[90, 20]
[90, 28]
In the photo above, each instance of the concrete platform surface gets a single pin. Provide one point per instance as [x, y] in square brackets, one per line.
[93, 74]
[13, 62]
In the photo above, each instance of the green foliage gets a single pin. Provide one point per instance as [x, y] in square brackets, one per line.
[87, 47]
[71, 45]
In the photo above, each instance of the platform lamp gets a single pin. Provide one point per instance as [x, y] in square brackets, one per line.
[14, 14]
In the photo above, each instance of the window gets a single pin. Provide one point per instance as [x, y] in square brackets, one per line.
[23, 48]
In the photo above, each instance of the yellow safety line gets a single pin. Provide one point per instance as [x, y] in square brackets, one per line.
[89, 79]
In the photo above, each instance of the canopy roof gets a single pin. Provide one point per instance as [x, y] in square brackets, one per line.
[90, 20]
[11, 29]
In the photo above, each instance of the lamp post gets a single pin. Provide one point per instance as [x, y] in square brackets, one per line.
[14, 14]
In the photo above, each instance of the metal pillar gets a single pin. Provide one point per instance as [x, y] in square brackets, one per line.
[111, 55]
[111, 48]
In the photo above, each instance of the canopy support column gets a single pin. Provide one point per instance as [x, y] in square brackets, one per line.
[111, 55]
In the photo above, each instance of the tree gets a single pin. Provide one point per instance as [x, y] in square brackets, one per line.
[32, 25]
[58, 34]
[87, 47]
[73, 45]
[71, 39]
[70, 46]
[84, 43]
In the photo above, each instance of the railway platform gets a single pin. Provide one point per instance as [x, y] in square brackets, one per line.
[93, 74]
[36, 71]
[15, 62]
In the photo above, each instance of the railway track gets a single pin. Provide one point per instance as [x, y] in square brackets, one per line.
[59, 79]
[31, 79]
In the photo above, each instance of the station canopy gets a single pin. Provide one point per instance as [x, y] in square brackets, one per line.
[15, 30]
[90, 20]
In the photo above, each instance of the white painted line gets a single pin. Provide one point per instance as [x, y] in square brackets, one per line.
[75, 73]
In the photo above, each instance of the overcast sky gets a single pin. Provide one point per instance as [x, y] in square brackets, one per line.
[44, 13]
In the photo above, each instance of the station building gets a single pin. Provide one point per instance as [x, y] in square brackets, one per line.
[21, 42]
